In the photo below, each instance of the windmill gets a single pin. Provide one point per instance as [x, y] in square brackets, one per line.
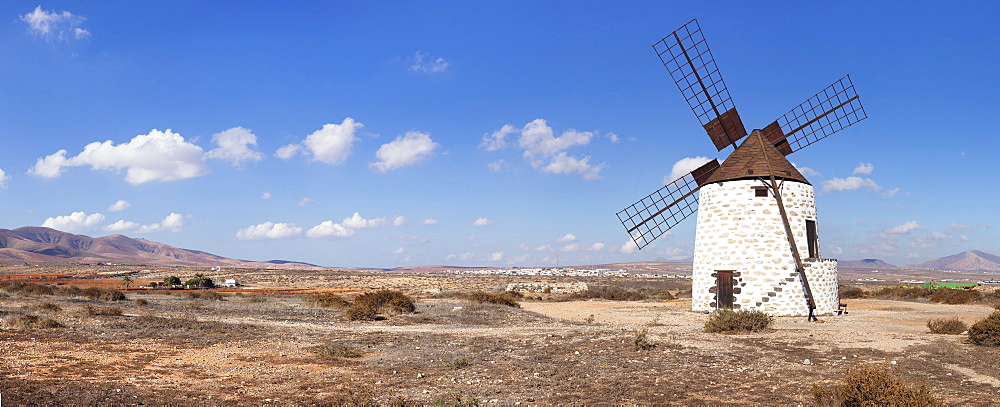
[755, 210]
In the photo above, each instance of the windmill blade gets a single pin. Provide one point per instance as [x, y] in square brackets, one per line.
[660, 211]
[686, 56]
[829, 111]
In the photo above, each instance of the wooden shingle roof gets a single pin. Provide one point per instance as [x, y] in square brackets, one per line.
[750, 161]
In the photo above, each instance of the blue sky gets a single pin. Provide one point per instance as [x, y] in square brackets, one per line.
[369, 133]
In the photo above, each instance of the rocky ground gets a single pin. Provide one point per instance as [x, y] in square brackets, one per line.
[257, 347]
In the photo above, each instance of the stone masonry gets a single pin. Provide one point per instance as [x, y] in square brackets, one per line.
[743, 233]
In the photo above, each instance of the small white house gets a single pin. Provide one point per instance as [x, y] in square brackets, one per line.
[229, 282]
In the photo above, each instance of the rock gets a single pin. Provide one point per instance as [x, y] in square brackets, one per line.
[806, 362]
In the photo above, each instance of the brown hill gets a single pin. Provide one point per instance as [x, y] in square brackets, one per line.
[45, 245]
[973, 260]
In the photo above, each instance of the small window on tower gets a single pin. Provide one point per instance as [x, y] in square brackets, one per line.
[760, 191]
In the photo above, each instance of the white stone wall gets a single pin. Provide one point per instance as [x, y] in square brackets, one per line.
[741, 232]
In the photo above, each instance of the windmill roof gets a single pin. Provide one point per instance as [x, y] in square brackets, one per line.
[750, 161]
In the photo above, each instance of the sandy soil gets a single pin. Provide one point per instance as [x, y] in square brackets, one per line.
[257, 349]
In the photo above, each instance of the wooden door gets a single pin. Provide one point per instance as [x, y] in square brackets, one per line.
[724, 288]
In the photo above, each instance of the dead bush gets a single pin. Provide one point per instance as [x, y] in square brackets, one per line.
[45, 307]
[327, 300]
[368, 305]
[869, 385]
[141, 302]
[28, 289]
[986, 332]
[29, 321]
[616, 292]
[482, 297]
[205, 295]
[332, 350]
[729, 321]
[102, 294]
[903, 293]
[103, 311]
[947, 326]
[852, 293]
[955, 296]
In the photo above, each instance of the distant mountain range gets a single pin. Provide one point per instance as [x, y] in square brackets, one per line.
[972, 260]
[40, 245]
[865, 264]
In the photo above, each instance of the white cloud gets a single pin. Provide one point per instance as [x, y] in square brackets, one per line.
[850, 183]
[157, 156]
[269, 230]
[3, 179]
[565, 164]
[498, 139]
[891, 193]
[331, 144]
[430, 221]
[399, 251]
[959, 226]
[569, 237]
[613, 137]
[399, 221]
[76, 222]
[305, 201]
[405, 150]
[596, 247]
[836, 250]
[174, 222]
[864, 168]
[265, 195]
[122, 225]
[288, 151]
[537, 139]
[328, 229]
[496, 166]
[482, 222]
[119, 205]
[52, 25]
[496, 256]
[684, 166]
[904, 228]
[574, 247]
[357, 222]
[543, 248]
[628, 247]
[806, 171]
[422, 62]
[234, 146]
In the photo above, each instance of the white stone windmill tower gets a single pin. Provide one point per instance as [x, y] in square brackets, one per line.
[757, 213]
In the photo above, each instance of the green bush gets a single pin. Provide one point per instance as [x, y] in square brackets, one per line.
[200, 280]
[172, 280]
[729, 321]
[482, 297]
[327, 300]
[868, 385]
[368, 305]
[955, 296]
[852, 293]
[986, 332]
[947, 326]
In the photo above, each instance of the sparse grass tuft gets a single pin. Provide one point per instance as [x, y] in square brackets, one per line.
[986, 332]
[641, 342]
[947, 326]
[332, 350]
[368, 305]
[869, 385]
[327, 300]
[456, 363]
[482, 297]
[729, 321]
[255, 298]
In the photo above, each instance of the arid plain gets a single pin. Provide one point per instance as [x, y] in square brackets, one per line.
[257, 345]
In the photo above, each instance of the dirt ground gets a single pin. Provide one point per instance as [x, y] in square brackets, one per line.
[256, 345]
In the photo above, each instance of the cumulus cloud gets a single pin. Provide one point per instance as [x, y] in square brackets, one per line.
[3, 179]
[265, 195]
[305, 201]
[498, 139]
[422, 62]
[596, 247]
[328, 229]
[430, 221]
[543, 248]
[570, 248]
[157, 156]
[545, 151]
[569, 237]
[122, 226]
[174, 222]
[496, 166]
[482, 222]
[684, 166]
[904, 228]
[331, 144]
[628, 247]
[76, 222]
[399, 221]
[119, 205]
[864, 168]
[357, 222]
[399, 251]
[405, 150]
[496, 256]
[53, 25]
[269, 230]
[806, 171]
[850, 183]
[234, 146]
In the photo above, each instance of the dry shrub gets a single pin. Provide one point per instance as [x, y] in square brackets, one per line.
[947, 326]
[954, 296]
[141, 302]
[986, 332]
[16, 287]
[368, 305]
[729, 321]
[327, 300]
[29, 321]
[852, 293]
[255, 298]
[205, 295]
[104, 311]
[903, 293]
[641, 342]
[869, 385]
[102, 294]
[46, 307]
[332, 350]
[482, 297]
[616, 292]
